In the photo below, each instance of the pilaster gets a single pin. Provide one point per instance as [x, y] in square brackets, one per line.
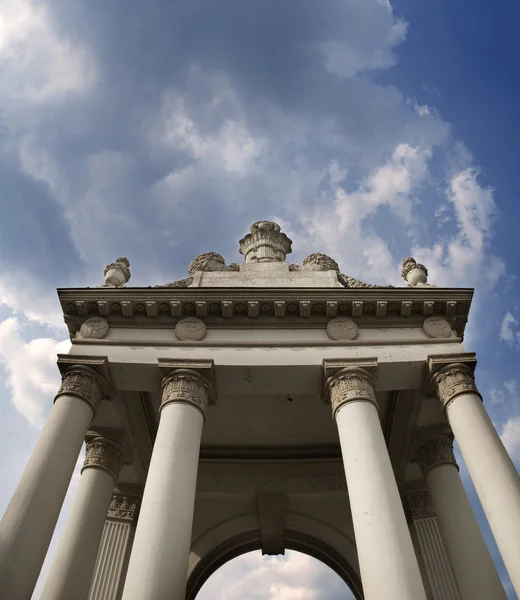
[116, 544]
[421, 514]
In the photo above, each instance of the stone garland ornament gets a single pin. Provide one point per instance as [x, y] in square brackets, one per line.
[190, 329]
[342, 329]
[94, 328]
[321, 262]
[436, 327]
[208, 262]
[117, 274]
[104, 454]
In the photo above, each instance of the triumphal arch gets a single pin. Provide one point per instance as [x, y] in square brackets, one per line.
[264, 405]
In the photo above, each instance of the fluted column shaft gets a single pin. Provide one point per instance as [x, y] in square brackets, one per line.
[493, 473]
[29, 521]
[159, 560]
[386, 555]
[71, 572]
[475, 573]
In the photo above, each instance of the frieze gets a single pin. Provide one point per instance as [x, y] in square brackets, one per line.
[243, 483]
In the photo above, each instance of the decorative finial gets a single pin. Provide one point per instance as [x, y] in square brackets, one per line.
[117, 273]
[414, 273]
[265, 243]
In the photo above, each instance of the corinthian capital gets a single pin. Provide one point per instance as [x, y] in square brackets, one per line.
[104, 453]
[186, 386]
[452, 381]
[348, 384]
[84, 383]
[434, 452]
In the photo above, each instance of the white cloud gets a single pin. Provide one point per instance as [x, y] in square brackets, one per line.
[231, 148]
[463, 259]
[295, 576]
[32, 374]
[343, 230]
[505, 396]
[510, 437]
[36, 64]
[24, 296]
[369, 46]
[510, 330]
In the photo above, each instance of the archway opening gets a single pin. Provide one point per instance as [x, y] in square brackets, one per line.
[293, 576]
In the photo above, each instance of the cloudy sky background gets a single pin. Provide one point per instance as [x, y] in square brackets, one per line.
[160, 130]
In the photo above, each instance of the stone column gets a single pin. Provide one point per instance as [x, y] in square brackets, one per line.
[386, 556]
[159, 560]
[28, 523]
[495, 478]
[430, 546]
[115, 546]
[475, 573]
[71, 572]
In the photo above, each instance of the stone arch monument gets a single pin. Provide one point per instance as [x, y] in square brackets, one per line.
[264, 405]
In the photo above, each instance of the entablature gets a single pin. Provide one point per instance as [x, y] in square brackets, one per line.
[263, 307]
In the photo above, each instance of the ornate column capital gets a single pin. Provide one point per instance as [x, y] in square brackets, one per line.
[84, 383]
[186, 386]
[124, 506]
[433, 452]
[453, 380]
[104, 453]
[349, 384]
[418, 505]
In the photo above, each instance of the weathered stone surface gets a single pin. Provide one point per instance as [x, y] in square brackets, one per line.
[190, 329]
[342, 329]
[436, 327]
[96, 328]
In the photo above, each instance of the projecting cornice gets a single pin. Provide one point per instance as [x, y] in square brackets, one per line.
[262, 307]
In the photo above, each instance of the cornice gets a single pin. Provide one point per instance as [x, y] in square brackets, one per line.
[257, 307]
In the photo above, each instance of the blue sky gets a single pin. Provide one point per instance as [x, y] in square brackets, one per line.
[159, 130]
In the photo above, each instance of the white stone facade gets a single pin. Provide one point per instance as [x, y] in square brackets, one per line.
[264, 405]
